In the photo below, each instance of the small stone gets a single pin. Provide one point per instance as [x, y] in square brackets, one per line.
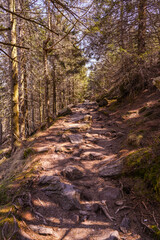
[59, 149]
[119, 202]
[47, 179]
[42, 230]
[72, 173]
[120, 134]
[75, 218]
[95, 156]
[41, 149]
[83, 213]
[50, 138]
[125, 224]
[75, 138]
[114, 236]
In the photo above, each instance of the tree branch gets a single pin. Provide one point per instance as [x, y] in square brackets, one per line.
[13, 45]
[28, 19]
[70, 11]
[4, 29]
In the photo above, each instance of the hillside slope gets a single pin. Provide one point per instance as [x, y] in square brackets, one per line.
[92, 175]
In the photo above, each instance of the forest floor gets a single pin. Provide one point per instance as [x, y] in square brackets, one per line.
[71, 186]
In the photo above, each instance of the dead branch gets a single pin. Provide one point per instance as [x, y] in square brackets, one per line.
[104, 207]
[8, 55]
[28, 19]
[122, 208]
[13, 45]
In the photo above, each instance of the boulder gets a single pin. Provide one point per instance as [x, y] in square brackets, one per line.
[66, 195]
[112, 169]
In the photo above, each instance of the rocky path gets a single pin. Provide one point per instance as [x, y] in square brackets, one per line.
[78, 194]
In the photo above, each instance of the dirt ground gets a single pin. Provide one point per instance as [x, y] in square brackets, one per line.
[71, 198]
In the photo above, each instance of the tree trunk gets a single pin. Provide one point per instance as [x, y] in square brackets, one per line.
[14, 77]
[54, 91]
[46, 75]
[142, 26]
[0, 132]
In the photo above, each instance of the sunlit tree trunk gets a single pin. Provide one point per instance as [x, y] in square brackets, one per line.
[14, 77]
[54, 90]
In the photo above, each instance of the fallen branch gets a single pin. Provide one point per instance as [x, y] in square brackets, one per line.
[104, 207]
[122, 208]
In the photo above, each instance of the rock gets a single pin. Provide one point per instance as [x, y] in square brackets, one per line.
[95, 156]
[70, 198]
[77, 127]
[119, 202]
[47, 179]
[103, 102]
[87, 195]
[91, 156]
[65, 112]
[42, 230]
[120, 134]
[75, 138]
[125, 224]
[114, 236]
[50, 138]
[66, 195]
[75, 218]
[85, 118]
[59, 149]
[72, 173]
[112, 169]
[109, 192]
[41, 149]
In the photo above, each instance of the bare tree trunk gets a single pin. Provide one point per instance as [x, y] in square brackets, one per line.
[0, 132]
[54, 91]
[14, 77]
[46, 75]
[142, 27]
[23, 86]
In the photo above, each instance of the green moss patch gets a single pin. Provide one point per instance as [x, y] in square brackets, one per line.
[28, 152]
[135, 140]
[144, 164]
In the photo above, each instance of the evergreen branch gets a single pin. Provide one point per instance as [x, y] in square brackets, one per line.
[70, 11]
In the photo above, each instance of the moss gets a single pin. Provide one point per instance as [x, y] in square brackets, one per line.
[156, 231]
[144, 164]
[138, 160]
[134, 140]
[28, 152]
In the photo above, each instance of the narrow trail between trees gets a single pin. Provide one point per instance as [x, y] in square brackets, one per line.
[78, 193]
